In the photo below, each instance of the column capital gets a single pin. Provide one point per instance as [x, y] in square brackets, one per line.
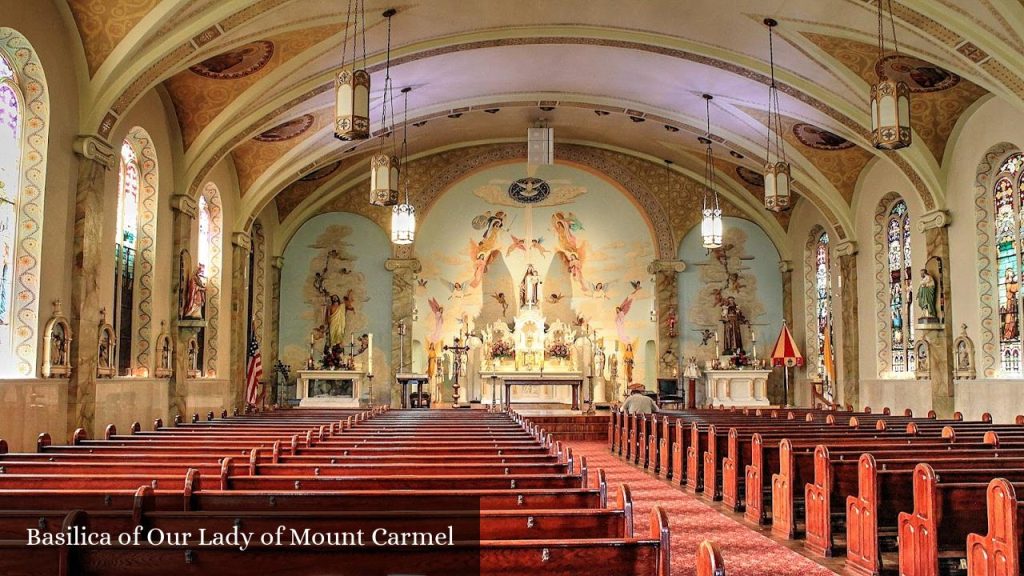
[934, 219]
[846, 248]
[185, 204]
[404, 264]
[785, 266]
[277, 262]
[242, 240]
[92, 147]
[659, 266]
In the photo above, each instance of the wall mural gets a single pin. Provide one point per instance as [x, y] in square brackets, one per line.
[335, 290]
[563, 247]
[734, 291]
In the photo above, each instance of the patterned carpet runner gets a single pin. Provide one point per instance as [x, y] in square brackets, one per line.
[746, 552]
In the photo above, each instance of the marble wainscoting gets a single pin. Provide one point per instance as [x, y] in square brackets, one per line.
[897, 394]
[121, 401]
[30, 407]
[204, 395]
[1002, 398]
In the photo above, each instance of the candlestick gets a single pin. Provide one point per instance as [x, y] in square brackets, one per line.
[369, 354]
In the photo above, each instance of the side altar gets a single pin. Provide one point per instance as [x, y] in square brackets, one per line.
[330, 388]
[737, 387]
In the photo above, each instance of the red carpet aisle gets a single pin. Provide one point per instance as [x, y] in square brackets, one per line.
[746, 552]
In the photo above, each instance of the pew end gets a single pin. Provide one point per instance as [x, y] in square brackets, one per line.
[998, 551]
[709, 560]
[109, 432]
[660, 533]
[624, 502]
[79, 435]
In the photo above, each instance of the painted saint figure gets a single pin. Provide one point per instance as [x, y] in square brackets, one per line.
[335, 320]
[733, 321]
[195, 295]
[1011, 330]
[926, 297]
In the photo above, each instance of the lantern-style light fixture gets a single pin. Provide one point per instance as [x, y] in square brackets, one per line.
[777, 178]
[403, 216]
[384, 165]
[540, 145]
[352, 82]
[711, 212]
[890, 99]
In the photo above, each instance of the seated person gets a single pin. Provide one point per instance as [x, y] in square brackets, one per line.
[638, 402]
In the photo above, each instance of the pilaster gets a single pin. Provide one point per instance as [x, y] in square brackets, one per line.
[666, 298]
[241, 246]
[403, 284]
[271, 342]
[184, 211]
[849, 375]
[95, 157]
[935, 227]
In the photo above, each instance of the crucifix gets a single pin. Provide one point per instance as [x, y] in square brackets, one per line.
[459, 352]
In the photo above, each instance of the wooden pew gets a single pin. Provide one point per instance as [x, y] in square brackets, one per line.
[997, 552]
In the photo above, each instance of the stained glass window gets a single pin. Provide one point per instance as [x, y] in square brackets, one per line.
[125, 254]
[901, 309]
[10, 191]
[1008, 193]
[823, 293]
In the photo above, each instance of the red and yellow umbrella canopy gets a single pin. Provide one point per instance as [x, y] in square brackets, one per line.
[785, 352]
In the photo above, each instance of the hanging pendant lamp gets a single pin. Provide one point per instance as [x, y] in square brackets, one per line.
[711, 212]
[890, 99]
[384, 165]
[403, 216]
[352, 83]
[777, 178]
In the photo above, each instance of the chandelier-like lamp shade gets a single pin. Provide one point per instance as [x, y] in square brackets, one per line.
[352, 105]
[890, 99]
[711, 212]
[403, 216]
[385, 166]
[540, 150]
[403, 223]
[777, 175]
[890, 115]
[352, 83]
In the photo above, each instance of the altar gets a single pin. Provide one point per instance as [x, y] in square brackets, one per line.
[737, 387]
[535, 386]
[330, 388]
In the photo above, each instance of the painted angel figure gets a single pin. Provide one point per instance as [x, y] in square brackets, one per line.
[600, 289]
[620, 316]
[517, 244]
[438, 313]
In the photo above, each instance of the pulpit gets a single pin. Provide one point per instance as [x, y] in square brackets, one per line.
[737, 387]
[330, 388]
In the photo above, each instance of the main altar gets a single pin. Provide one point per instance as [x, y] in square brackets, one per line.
[747, 387]
[330, 388]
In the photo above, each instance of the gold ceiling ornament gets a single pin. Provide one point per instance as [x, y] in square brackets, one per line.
[403, 216]
[384, 165]
[890, 98]
[777, 176]
[352, 83]
[711, 212]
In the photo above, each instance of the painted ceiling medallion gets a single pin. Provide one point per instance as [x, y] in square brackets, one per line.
[287, 130]
[918, 75]
[820, 139]
[755, 179]
[529, 190]
[322, 172]
[236, 63]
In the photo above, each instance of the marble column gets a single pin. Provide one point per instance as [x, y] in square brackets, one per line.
[666, 303]
[184, 211]
[270, 342]
[403, 283]
[776, 387]
[786, 268]
[849, 367]
[241, 246]
[95, 157]
[935, 227]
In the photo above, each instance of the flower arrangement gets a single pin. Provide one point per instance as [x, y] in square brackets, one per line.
[558, 350]
[502, 349]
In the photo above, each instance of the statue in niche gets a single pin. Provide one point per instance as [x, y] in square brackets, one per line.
[529, 288]
[926, 297]
[732, 321]
[628, 362]
[672, 322]
[963, 356]
[193, 357]
[195, 295]
[104, 350]
[59, 342]
[599, 358]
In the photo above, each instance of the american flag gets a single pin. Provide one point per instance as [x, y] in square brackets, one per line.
[253, 373]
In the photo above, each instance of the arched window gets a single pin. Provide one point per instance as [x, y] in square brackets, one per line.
[901, 309]
[823, 298]
[125, 253]
[1008, 194]
[24, 125]
[208, 255]
[10, 183]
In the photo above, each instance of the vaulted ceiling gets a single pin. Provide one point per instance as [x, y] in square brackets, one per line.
[250, 80]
